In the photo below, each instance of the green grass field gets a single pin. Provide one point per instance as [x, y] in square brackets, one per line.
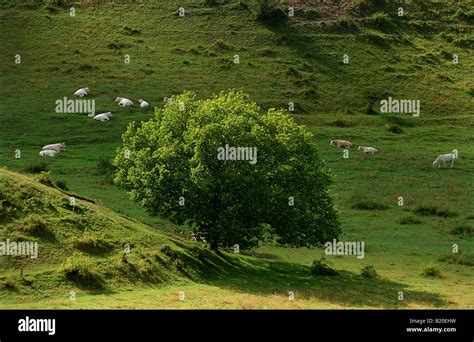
[407, 57]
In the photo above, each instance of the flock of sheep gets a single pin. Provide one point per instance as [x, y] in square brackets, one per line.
[53, 149]
[445, 158]
[348, 144]
[121, 101]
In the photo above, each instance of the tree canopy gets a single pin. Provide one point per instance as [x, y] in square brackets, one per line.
[230, 171]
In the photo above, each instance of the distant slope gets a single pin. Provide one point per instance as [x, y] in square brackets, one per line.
[300, 61]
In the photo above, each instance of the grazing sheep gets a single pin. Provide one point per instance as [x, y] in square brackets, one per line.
[103, 116]
[56, 147]
[118, 99]
[143, 103]
[124, 102]
[341, 143]
[369, 150]
[167, 100]
[82, 92]
[449, 157]
[48, 153]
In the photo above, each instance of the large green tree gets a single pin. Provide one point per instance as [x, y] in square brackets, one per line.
[173, 166]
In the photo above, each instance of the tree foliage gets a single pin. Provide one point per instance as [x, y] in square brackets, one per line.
[173, 157]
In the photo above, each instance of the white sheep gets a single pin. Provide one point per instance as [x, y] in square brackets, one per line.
[143, 103]
[167, 100]
[369, 150]
[448, 157]
[58, 147]
[124, 102]
[103, 116]
[341, 143]
[82, 92]
[48, 153]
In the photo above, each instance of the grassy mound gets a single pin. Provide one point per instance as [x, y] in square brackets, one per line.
[85, 245]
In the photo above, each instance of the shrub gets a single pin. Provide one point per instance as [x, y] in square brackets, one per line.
[291, 71]
[79, 270]
[459, 258]
[267, 52]
[463, 230]
[92, 244]
[221, 45]
[167, 250]
[431, 271]
[311, 14]
[37, 167]
[409, 220]
[211, 3]
[426, 211]
[365, 6]
[86, 67]
[52, 9]
[61, 3]
[376, 38]
[118, 46]
[446, 213]
[61, 184]
[321, 267]
[381, 20]
[394, 129]
[369, 205]
[130, 31]
[144, 266]
[342, 123]
[464, 14]
[342, 23]
[225, 63]
[369, 109]
[433, 211]
[7, 207]
[8, 283]
[368, 272]
[105, 166]
[155, 256]
[177, 51]
[46, 178]
[34, 225]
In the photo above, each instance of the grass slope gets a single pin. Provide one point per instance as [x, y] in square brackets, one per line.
[406, 57]
[81, 250]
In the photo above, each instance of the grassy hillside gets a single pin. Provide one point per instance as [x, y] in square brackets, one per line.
[299, 60]
[81, 250]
